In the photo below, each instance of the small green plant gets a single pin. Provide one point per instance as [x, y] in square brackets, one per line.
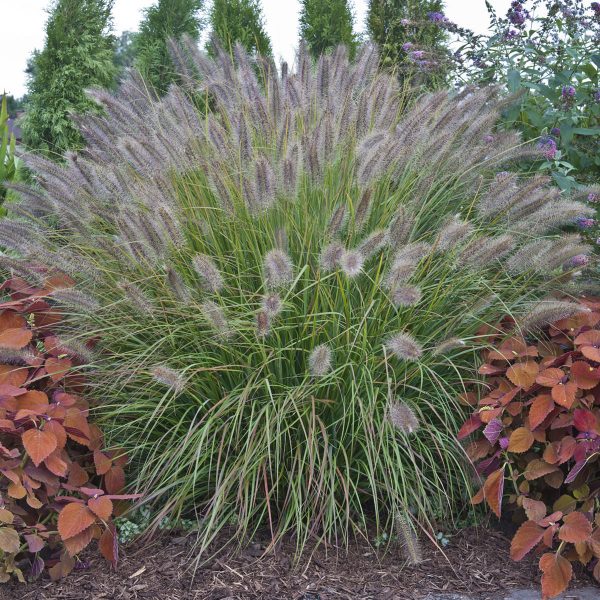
[288, 289]
[9, 163]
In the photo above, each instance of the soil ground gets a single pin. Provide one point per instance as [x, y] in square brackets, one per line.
[476, 566]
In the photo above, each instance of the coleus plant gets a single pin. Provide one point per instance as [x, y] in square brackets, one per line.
[59, 486]
[538, 446]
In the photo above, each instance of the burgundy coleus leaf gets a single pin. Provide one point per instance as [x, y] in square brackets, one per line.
[493, 430]
[584, 420]
[473, 423]
[570, 478]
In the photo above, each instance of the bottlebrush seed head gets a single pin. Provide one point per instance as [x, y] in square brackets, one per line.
[320, 361]
[404, 347]
[403, 417]
[169, 377]
[263, 323]
[278, 269]
[272, 304]
[406, 295]
[76, 299]
[351, 262]
[211, 277]
[215, 316]
[331, 255]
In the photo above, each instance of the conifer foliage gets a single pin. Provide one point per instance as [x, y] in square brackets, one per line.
[325, 24]
[240, 21]
[167, 19]
[78, 54]
[288, 289]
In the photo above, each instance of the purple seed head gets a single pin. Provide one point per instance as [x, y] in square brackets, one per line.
[585, 222]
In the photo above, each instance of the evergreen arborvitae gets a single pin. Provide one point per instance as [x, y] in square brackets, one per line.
[324, 24]
[241, 21]
[166, 19]
[410, 35]
[78, 54]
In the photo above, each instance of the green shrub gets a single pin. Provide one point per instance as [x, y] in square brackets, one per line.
[288, 289]
[10, 169]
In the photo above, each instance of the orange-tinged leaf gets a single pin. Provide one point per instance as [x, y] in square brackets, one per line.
[115, 480]
[78, 542]
[538, 468]
[77, 475]
[39, 444]
[527, 537]
[16, 490]
[575, 528]
[15, 339]
[11, 320]
[62, 568]
[102, 462]
[73, 519]
[76, 426]
[521, 439]
[550, 377]
[56, 465]
[523, 374]
[591, 352]
[564, 393]
[557, 572]
[57, 367]
[9, 540]
[109, 546]
[534, 509]
[585, 376]
[101, 506]
[541, 407]
[12, 375]
[34, 401]
[59, 432]
[493, 489]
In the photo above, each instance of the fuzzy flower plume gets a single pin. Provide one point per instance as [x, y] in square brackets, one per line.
[331, 255]
[210, 275]
[403, 417]
[351, 262]
[169, 377]
[406, 295]
[272, 305]
[278, 269]
[215, 317]
[548, 311]
[409, 542]
[404, 346]
[263, 323]
[320, 361]
[76, 299]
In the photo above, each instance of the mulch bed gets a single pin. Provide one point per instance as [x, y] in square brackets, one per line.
[477, 565]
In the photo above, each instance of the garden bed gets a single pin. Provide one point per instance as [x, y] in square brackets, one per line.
[478, 566]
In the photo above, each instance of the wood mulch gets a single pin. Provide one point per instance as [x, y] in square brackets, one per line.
[476, 565]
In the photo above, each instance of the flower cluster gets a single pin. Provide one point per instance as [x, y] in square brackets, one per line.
[517, 14]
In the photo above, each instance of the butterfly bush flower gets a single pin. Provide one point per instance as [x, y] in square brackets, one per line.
[548, 147]
[581, 260]
[595, 6]
[593, 197]
[596, 95]
[517, 15]
[407, 46]
[568, 91]
[416, 55]
[585, 222]
[436, 17]
[555, 131]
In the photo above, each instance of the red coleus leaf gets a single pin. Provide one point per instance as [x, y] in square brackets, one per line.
[101, 506]
[114, 480]
[78, 542]
[538, 468]
[527, 537]
[534, 509]
[15, 339]
[550, 377]
[576, 528]
[556, 574]
[473, 423]
[584, 420]
[57, 367]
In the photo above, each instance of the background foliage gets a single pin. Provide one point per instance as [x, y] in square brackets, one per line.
[78, 54]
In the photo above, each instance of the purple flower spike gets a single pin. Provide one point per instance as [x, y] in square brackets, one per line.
[581, 260]
[555, 131]
[407, 46]
[593, 197]
[568, 92]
